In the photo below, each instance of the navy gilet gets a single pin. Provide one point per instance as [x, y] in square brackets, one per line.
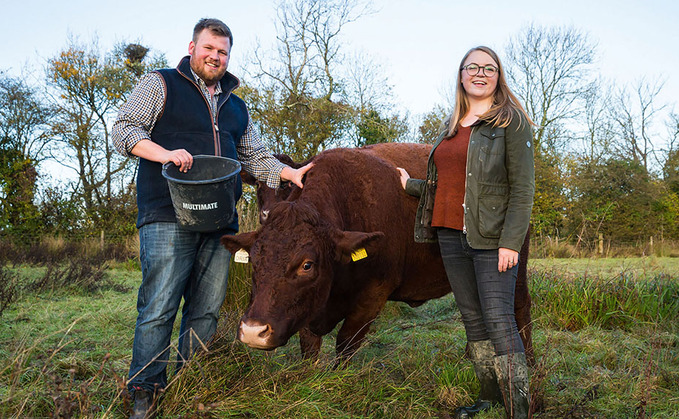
[186, 122]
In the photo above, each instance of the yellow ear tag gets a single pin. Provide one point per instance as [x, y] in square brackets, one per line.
[359, 254]
[241, 256]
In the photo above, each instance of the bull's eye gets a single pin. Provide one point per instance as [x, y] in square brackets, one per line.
[306, 266]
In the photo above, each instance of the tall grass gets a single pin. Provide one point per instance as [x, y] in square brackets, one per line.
[607, 346]
[621, 302]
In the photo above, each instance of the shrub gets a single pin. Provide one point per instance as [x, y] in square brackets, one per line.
[9, 288]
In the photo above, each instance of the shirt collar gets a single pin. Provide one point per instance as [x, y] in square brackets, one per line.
[203, 86]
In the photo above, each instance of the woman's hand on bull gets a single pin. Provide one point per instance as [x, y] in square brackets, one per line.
[404, 176]
[181, 158]
[295, 175]
[507, 259]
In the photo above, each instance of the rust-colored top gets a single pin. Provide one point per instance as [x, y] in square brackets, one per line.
[450, 158]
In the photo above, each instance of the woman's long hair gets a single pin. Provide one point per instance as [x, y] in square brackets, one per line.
[505, 105]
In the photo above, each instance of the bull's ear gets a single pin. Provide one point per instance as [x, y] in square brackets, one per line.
[247, 178]
[356, 242]
[239, 241]
[266, 197]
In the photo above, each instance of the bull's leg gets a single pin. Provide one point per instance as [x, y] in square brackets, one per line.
[357, 324]
[522, 302]
[525, 326]
[309, 343]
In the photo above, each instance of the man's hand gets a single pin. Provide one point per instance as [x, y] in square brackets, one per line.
[295, 175]
[181, 158]
[149, 150]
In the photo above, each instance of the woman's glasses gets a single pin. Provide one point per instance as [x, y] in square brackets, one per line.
[473, 69]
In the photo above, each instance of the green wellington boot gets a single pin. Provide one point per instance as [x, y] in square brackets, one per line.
[512, 375]
[482, 354]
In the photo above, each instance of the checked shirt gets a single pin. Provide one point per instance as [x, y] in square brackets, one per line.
[138, 116]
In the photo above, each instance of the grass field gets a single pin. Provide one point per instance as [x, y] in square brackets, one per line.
[605, 334]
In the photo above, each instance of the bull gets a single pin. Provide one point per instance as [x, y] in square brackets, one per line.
[340, 248]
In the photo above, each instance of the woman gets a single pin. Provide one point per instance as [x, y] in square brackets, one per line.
[477, 202]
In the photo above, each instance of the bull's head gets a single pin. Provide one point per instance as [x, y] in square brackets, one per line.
[267, 197]
[294, 257]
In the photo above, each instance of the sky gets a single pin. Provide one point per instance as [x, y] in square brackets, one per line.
[417, 43]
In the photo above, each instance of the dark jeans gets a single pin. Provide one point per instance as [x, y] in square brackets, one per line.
[176, 264]
[484, 295]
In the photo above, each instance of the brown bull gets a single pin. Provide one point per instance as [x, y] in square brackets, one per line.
[342, 246]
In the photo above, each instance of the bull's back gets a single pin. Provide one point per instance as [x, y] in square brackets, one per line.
[421, 274]
[410, 156]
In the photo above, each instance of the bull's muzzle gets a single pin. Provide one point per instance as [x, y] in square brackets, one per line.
[256, 335]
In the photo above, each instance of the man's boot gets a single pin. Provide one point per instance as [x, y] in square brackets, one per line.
[482, 354]
[142, 407]
[513, 378]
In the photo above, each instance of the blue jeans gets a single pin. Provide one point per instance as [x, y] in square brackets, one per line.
[175, 264]
[484, 296]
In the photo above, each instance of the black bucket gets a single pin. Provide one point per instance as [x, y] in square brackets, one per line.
[203, 198]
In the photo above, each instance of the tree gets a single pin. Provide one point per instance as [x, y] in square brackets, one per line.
[599, 130]
[308, 96]
[23, 119]
[431, 124]
[23, 137]
[617, 198]
[369, 95]
[634, 117]
[88, 89]
[548, 69]
[671, 164]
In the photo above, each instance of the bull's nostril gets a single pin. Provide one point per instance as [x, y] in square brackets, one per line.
[255, 335]
[266, 331]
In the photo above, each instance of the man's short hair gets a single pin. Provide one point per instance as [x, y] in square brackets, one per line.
[216, 26]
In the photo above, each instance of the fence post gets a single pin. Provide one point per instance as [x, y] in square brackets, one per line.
[601, 244]
[650, 245]
[101, 241]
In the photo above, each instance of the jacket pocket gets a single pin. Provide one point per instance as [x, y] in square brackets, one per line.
[493, 200]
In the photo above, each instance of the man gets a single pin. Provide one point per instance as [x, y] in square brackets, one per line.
[171, 115]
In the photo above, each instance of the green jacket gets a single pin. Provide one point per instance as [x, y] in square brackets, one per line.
[499, 187]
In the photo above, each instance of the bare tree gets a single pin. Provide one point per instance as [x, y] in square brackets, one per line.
[297, 95]
[599, 129]
[548, 68]
[23, 118]
[634, 115]
[673, 129]
[369, 95]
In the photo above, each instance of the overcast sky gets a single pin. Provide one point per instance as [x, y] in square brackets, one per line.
[417, 42]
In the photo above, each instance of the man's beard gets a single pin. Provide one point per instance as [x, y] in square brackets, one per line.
[208, 78]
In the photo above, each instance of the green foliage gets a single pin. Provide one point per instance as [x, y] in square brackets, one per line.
[374, 128]
[617, 198]
[90, 87]
[671, 170]
[550, 204]
[297, 124]
[61, 214]
[431, 124]
[19, 215]
[22, 138]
